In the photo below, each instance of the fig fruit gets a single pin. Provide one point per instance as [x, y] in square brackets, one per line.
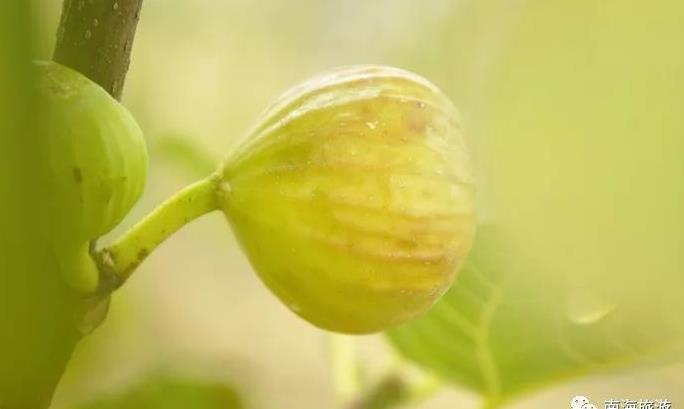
[98, 163]
[353, 197]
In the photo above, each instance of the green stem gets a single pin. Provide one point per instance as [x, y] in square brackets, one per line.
[345, 367]
[398, 388]
[118, 261]
[390, 392]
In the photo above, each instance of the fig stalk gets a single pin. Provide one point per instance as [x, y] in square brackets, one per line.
[118, 261]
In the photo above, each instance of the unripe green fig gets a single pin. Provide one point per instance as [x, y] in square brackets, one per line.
[353, 198]
[98, 163]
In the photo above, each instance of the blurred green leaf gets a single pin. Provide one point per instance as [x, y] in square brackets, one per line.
[168, 392]
[580, 162]
[500, 331]
[185, 152]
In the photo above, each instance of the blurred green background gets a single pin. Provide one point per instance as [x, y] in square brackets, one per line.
[572, 110]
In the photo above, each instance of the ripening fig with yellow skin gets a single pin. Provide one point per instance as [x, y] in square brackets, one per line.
[98, 163]
[353, 198]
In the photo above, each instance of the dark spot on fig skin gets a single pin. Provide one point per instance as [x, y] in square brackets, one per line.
[417, 125]
[142, 254]
[367, 113]
[78, 175]
[407, 244]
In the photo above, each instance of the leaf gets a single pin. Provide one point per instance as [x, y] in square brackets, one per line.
[506, 328]
[576, 119]
[186, 153]
[169, 392]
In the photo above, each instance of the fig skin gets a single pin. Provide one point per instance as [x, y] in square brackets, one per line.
[353, 198]
[98, 163]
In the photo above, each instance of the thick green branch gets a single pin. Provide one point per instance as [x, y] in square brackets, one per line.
[119, 260]
[40, 317]
[96, 37]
